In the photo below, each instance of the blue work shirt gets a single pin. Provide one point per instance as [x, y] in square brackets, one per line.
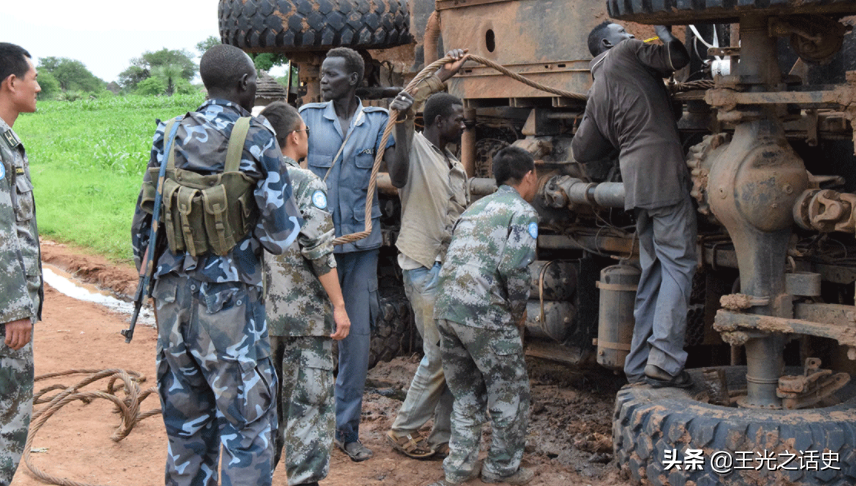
[348, 182]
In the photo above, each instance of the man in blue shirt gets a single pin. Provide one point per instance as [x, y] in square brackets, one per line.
[344, 138]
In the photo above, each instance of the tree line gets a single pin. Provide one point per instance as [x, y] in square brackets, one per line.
[154, 73]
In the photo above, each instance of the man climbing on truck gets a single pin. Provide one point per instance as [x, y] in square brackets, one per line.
[629, 109]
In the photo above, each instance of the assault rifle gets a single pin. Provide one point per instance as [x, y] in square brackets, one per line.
[144, 288]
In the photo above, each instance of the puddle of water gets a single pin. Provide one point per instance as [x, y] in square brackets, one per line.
[66, 285]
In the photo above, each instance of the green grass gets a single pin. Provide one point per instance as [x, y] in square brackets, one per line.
[87, 159]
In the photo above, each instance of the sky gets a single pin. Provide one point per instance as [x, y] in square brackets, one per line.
[105, 34]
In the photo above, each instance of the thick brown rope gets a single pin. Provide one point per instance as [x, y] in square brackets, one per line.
[393, 117]
[128, 408]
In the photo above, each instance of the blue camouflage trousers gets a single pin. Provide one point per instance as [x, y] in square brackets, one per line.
[216, 382]
[486, 371]
[307, 405]
[16, 406]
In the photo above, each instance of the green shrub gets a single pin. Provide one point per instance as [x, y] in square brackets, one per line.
[151, 86]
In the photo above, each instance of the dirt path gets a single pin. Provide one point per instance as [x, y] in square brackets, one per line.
[569, 434]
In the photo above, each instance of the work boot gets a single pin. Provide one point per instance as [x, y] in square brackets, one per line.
[472, 475]
[521, 476]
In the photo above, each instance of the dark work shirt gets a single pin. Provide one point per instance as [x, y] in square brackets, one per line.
[629, 109]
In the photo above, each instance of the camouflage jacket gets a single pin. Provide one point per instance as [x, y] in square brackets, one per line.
[21, 285]
[296, 303]
[484, 281]
[201, 143]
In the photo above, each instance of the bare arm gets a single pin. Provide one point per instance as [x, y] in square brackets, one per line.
[397, 159]
[330, 282]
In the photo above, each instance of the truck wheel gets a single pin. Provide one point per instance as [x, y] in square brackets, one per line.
[391, 334]
[648, 422]
[669, 12]
[308, 25]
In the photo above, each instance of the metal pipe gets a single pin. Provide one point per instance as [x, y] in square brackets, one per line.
[384, 184]
[562, 191]
[431, 38]
[763, 368]
[468, 142]
[481, 186]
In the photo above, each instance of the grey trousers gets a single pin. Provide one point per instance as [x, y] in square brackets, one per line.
[667, 252]
[428, 395]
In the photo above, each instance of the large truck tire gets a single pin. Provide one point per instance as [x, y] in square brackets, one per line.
[648, 422]
[311, 25]
[669, 12]
[391, 334]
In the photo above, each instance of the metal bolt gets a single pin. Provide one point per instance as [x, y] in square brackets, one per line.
[722, 193]
[788, 189]
[601, 353]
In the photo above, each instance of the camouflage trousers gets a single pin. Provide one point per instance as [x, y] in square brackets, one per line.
[16, 406]
[307, 411]
[486, 371]
[216, 382]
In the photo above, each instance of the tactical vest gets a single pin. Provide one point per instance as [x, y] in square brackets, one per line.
[206, 213]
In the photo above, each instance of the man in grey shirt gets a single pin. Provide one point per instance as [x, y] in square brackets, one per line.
[629, 109]
[433, 191]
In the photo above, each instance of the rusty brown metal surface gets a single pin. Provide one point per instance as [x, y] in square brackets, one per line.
[727, 321]
[530, 37]
[826, 211]
[810, 388]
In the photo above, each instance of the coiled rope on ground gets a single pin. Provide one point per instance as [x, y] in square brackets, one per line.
[428, 71]
[127, 406]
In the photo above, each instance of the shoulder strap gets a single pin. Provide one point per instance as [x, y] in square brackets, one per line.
[336, 158]
[236, 144]
[168, 133]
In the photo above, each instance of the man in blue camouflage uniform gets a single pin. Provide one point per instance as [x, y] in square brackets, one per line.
[215, 376]
[21, 286]
[304, 302]
[481, 306]
[343, 141]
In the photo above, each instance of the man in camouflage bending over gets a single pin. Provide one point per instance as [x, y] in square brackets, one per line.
[481, 306]
[304, 301]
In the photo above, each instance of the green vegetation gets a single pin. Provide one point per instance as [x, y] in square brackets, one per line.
[87, 159]
[173, 67]
[68, 79]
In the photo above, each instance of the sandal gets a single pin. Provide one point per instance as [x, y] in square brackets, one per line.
[355, 450]
[411, 445]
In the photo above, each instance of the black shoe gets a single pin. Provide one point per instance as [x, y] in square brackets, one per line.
[658, 378]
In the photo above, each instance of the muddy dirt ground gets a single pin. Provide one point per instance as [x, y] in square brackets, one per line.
[568, 443]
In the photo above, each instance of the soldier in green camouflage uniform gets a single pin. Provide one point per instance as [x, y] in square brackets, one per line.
[21, 286]
[484, 286]
[304, 301]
